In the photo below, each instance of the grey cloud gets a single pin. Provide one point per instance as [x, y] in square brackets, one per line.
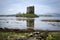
[19, 5]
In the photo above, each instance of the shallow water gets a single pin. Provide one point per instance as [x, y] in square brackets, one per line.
[35, 23]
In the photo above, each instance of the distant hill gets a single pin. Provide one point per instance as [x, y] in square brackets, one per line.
[7, 15]
[50, 15]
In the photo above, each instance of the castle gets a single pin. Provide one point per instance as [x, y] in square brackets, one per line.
[30, 9]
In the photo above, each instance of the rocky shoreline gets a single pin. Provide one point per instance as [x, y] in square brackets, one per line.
[51, 20]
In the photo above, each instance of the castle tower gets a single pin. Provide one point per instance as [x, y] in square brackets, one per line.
[30, 9]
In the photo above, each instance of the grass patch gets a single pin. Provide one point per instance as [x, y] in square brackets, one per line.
[26, 15]
[53, 36]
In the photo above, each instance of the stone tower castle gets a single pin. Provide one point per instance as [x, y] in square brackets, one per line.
[30, 9]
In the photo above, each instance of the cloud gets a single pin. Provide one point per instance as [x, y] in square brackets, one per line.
[41, 6]
[42, 9]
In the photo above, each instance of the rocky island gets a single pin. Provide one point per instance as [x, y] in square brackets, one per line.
[29, 13]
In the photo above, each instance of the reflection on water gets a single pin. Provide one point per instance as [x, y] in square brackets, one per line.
[24, 23]
[30, 23]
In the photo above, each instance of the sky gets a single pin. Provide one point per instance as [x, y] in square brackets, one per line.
[41, 6]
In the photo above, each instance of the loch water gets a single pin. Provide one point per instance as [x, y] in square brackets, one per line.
[35, 23]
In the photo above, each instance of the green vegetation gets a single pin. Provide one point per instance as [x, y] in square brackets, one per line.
[13, 35]
[53, 36]
[26, 15]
